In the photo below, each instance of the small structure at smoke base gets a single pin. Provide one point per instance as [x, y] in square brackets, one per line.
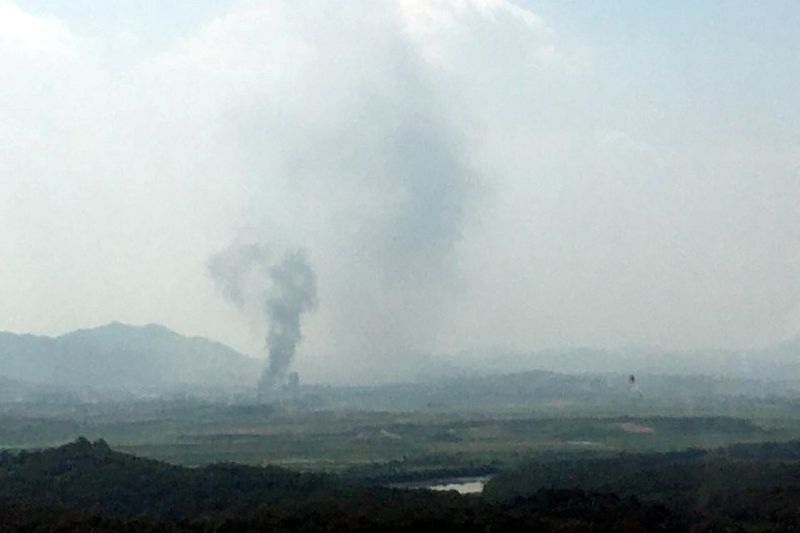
[276, 391]
[292, 386]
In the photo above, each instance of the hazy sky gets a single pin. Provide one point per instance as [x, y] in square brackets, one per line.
[462, 174]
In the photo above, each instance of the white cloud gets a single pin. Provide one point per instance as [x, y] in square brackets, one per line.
[30, 34]
[448, 30]
[457, 183]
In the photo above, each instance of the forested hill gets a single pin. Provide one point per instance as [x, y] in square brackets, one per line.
[87, 486]
[756, 486]
[122, 356]
[89, 476]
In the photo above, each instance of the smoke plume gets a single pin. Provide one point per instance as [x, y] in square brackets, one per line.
[278, 290]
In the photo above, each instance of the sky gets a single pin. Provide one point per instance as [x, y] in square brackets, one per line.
[461, 175]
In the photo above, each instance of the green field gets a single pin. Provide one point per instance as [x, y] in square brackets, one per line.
[373, 444]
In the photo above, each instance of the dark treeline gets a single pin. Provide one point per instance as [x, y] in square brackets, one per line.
[755, 486]
[86, 486]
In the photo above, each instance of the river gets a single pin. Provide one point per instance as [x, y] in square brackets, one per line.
[463, 485]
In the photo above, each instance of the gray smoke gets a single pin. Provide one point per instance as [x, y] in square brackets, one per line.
[387, 167]
[264, 287]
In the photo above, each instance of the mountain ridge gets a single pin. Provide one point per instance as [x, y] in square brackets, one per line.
[123, 356]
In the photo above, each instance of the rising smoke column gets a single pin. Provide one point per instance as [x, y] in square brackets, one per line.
[294, 292]
[279, 292]
[369, 138]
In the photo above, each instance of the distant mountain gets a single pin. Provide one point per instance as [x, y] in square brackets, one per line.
[122, 356]
[549, 392]
[777, 363]
[15, 391]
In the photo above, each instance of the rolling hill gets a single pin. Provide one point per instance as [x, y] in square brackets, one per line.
[116, 355]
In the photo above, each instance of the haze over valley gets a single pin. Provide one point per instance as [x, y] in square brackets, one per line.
[399, 265]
